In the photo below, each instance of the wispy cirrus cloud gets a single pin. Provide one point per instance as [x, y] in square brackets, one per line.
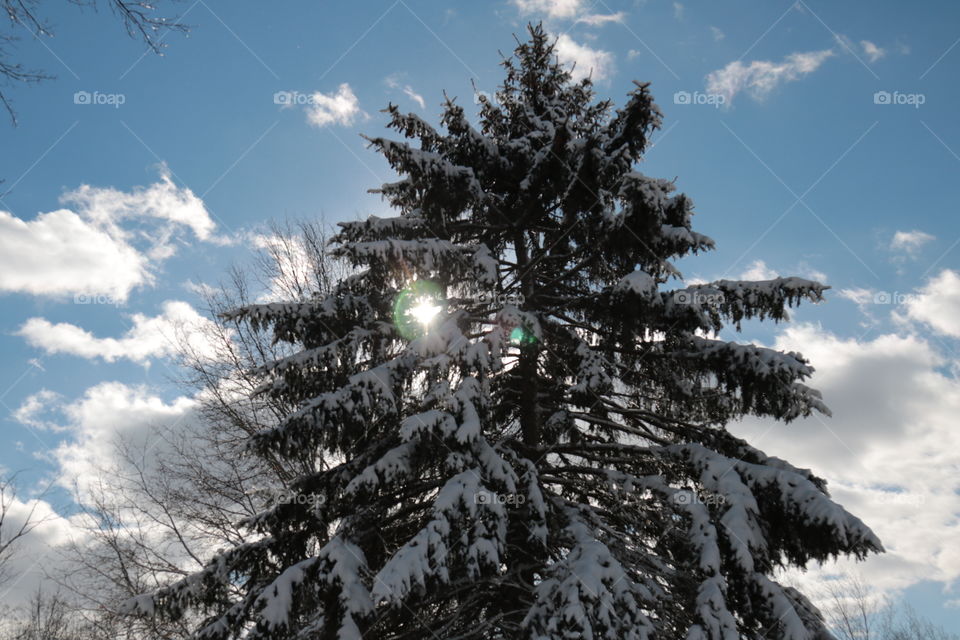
[910, 242]
[393, 82]
[575, 10]
[760, 77]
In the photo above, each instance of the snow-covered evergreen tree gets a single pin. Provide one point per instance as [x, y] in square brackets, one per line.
[520, 425]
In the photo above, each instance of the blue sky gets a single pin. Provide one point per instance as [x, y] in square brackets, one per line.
[816, 139]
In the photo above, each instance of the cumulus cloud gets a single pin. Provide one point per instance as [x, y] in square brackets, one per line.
[147, 337]
[106, 416]
[340, 108]
[760, 77]
[758, 270]
[61, 253]
[937, 304]
[24, 570]
[910, 242]
[106, 244]
[890, 450]
[584, 61]
[113, 412]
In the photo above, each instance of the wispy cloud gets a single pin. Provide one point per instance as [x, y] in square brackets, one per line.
[600, 19]
[718, 35]
[576, 10]
[394, 83]
[551, 8]
[910, 242]
[872, 51]
[760, 77]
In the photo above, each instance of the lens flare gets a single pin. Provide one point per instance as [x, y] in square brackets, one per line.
[521, 336]
[416, 308]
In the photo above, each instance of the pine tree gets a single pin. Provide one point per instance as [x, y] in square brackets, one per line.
[519, 426]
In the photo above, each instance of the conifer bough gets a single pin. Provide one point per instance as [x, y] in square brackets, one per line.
[547, 456]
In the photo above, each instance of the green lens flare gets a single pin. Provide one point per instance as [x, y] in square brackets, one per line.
[522, 336]
[416, 308]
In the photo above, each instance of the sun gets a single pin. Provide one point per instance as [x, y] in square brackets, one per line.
[417, 308]
[424, 310]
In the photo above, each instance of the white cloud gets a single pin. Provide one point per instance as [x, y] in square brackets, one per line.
[761, 77]
[937, 304]
[872, 51]
[30, 555]
[147, 338]
[113, 412]
[394, 83]
[340, 108]
[678, 11]
[60, 253]
[32, 410]
[108, 415]
[106, 246]
[858, 295]
[568, 10]
[890, 451]
[758, 270]
[413, 95]
[718, 35]
[868, 49]
[583, 60]
[910, 242]
[600, 19]
[162, 200]
[551, 8]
